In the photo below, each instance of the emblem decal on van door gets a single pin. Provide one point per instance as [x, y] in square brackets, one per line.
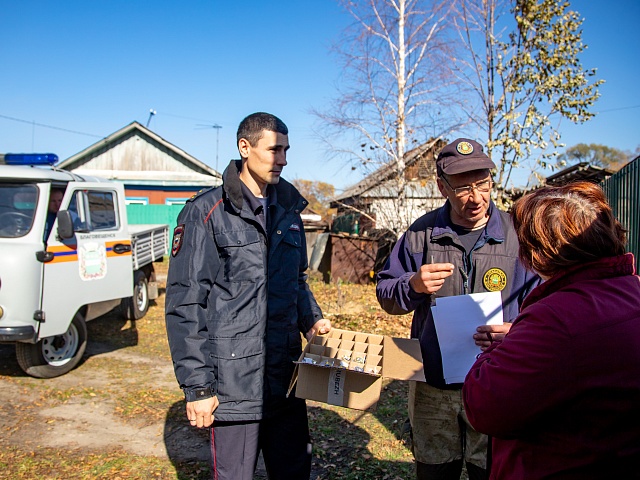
[92, 258]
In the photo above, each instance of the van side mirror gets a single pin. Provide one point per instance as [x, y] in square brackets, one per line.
[65, 224]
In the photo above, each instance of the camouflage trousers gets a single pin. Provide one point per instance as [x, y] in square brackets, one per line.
[441, 430]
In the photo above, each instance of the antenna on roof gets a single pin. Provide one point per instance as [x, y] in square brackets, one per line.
[152, 112]
[217, 127]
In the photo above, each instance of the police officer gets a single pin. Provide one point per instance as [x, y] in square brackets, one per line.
[237, 301]
[465, 246]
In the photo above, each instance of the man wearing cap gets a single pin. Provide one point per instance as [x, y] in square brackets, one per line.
[465, 246]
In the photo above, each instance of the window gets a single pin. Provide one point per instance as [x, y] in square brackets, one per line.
[175, 201]
[94, 210]
[136, 201]
[17, 209]
[102, 211]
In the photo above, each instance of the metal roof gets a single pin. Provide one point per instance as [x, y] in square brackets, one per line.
[579, 171]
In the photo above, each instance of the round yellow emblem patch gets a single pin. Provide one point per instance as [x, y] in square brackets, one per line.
[495, 280]
[465, 148]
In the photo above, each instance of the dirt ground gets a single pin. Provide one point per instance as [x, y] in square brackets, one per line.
[82, 411]
[124, 397]
[89, 421]
[79, 410]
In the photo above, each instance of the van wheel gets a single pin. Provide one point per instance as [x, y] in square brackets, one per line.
[54, 356]
[134, 308]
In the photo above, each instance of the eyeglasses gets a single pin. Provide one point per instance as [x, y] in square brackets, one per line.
[466, 190]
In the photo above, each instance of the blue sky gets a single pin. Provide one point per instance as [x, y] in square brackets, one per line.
[89, 68]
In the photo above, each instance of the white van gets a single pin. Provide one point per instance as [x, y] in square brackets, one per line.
[61, 269]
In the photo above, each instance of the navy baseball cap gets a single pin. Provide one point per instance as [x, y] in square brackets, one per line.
[462, 155]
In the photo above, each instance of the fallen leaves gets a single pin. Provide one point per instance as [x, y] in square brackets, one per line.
[348, 444]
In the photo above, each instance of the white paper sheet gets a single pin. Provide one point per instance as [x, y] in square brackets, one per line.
[456, 319]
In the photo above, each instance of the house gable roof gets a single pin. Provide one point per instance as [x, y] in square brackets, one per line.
[136, 154]
[377, 183]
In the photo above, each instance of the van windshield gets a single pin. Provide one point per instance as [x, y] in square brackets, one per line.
[17, 209]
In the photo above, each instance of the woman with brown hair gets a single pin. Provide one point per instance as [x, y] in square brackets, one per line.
[560, 394]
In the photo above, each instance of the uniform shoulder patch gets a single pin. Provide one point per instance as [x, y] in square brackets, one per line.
[178, 236]
[494, 279]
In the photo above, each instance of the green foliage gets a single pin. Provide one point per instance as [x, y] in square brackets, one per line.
[595, 154]
[526, 74]
[318, 194]
[521, 58]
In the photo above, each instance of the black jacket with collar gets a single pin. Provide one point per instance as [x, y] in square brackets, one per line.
[237, 298]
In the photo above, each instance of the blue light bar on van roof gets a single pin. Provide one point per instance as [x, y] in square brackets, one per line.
[29, 159]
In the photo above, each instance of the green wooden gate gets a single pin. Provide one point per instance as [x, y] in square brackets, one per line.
[144, 214]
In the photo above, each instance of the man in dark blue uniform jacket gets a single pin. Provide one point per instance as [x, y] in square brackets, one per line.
[237, 301]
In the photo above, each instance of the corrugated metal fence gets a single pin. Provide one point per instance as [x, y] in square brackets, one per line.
[623, 193]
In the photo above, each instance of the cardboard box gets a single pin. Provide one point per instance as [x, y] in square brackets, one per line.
[346, 368]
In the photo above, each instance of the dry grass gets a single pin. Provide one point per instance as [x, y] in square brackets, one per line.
[348, 444]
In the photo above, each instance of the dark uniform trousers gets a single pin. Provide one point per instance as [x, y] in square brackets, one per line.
[283, 439]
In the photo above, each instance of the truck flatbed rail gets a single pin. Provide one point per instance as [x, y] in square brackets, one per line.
[149, 243]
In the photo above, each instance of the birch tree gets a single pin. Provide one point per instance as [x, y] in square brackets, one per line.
[521, 59]
[387, 102]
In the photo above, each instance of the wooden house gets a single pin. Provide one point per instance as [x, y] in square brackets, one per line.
[153, 171]
[369, 216]
[372, 202]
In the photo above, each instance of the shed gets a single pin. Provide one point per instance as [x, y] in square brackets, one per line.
[579, 171]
